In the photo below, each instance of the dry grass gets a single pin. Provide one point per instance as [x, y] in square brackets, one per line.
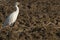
[37, 20]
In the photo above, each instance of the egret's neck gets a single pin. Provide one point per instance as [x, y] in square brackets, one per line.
[17, 9]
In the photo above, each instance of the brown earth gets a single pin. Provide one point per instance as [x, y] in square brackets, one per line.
[37, 20]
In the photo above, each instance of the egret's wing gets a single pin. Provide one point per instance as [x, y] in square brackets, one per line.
[8, 21]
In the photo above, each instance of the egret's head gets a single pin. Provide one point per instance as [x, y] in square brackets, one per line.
[17, 3]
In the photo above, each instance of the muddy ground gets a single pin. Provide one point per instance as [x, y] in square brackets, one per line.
[37, 20]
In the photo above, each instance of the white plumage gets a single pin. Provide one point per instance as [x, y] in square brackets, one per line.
[12, 17]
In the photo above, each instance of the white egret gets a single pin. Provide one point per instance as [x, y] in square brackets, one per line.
[12, 17]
